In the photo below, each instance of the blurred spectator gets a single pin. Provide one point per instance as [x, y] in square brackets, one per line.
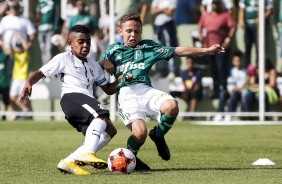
[71, 10]
[104, 23]
[84, 18]
[206, 6]
[165, 32]
[15, 21]
[279, 25]
[5, 77]
[20, 72]
[236, 83]
[4, 5]
[48, 17]
[251, 98]
[248, 20]
[141, 7]
[187, 12]
[220, 31]
[192, 79]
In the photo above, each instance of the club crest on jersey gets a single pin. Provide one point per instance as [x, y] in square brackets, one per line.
[92, 72]
[138, 53]
[130, 66]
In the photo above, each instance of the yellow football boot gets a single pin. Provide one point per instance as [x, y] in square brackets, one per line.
[91, 159]
[71, 168]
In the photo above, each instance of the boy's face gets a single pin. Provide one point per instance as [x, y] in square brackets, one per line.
[80, 44]
[131, 32]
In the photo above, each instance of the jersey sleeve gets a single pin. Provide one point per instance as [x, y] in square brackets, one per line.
[102, 78]
[54, 66]
[162, 52]
[108, 54]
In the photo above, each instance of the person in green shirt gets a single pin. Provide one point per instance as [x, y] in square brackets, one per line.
[131, 63]
[48, 17]
[5, 77]
[248, 20]
[83, 18]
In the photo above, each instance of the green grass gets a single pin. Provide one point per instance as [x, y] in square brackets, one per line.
[30, 151]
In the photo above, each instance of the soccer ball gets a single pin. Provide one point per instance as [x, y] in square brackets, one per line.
[121, 160]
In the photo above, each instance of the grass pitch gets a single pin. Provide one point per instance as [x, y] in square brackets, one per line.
[30, 152]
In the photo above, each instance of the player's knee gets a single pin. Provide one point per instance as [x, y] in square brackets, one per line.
[170, 107]
[140, 135]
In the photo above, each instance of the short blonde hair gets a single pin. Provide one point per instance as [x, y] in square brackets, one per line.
[130, 16]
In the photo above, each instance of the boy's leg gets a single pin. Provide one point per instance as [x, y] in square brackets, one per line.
[157, 135]
[136, 140]
[92, 137]
[67, 165]
[79, 109]
[107, 136]
[169, 110]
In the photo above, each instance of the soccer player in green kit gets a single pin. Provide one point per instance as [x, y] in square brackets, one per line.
[131, 62]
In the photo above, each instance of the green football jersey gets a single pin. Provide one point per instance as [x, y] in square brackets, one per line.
[137, 60]
[49, 15]
[251, 10]
[83, 19]
[5, 75]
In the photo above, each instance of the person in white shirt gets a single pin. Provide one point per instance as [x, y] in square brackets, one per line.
[78, 73]
[206, 5]
[15, 21]
[236, 84]
[165, 32]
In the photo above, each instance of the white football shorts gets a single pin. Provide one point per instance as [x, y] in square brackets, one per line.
[140, 101]
[16, 87]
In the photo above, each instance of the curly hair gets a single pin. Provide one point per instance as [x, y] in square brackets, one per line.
[80, 29]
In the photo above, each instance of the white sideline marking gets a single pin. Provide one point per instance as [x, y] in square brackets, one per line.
[232, 123]
[263, 161]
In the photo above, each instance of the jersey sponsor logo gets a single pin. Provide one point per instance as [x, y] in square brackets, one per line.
[130, 66]
[161, 50]
[145, 45]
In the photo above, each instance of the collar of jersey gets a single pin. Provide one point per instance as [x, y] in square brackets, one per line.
[77, 62]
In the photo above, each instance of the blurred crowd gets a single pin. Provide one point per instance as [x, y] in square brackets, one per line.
[234, 73]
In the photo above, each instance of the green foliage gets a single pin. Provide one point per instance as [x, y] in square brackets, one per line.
[30, 152]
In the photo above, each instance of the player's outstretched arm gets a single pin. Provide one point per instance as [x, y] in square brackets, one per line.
[33, 78]
[183, 51]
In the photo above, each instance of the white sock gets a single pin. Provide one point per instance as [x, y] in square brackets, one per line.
[104, 140]
[73, 156]
[93, 133]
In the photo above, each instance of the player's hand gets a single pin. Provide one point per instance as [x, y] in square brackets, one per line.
[215, 49]
[125, 77]
[26, 93]
[108, 66]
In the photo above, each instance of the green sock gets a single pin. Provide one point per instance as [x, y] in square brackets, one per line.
[166, 123]
[133, 145]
